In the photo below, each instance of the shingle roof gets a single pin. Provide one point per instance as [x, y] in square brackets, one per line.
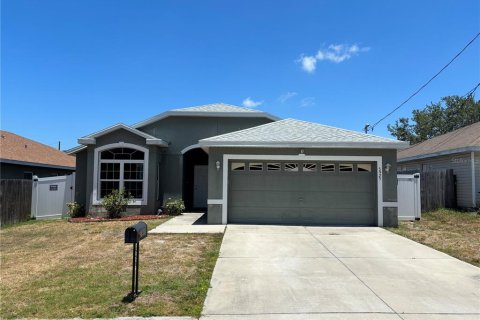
[216, 107]
[208, 110]
[461, 140]
[291, 132]
[17, 148]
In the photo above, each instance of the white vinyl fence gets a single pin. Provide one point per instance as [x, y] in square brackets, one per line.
[50, 196]
[409, 201]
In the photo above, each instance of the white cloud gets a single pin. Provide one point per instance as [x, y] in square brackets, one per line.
[249, 103]
[307, 102]
[286, 96]
[335, 53]
[309, 63]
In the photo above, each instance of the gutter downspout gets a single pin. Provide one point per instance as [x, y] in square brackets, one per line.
[474, 193]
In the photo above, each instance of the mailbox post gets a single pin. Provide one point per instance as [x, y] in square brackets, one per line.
[134, 234]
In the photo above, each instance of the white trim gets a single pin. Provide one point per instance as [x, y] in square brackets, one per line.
[193, 146]
[377, 159]
[95, 199]
[215, 201]
[91, 138]
[474, 192]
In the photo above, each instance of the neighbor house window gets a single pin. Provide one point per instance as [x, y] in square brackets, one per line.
[345, 167]
[364, 167]
[122, 168]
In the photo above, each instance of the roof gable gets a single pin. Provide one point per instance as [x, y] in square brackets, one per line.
[461, 140]
[16, 148]
[91, 138]
[208, 110]
[296, 133]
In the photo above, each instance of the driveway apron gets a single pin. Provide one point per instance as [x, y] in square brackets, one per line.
[293, 272]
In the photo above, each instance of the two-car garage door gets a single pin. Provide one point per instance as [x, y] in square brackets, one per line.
[302, 192]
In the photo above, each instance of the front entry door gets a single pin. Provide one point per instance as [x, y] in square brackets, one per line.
[200, 186]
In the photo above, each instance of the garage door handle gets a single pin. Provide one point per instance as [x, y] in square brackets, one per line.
[300, 199]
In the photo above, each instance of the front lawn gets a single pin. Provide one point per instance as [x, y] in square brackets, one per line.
[56, 269]
[453, 232]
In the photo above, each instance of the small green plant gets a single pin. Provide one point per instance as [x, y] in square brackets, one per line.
[75, 209]
[116, 202]
[174, 207]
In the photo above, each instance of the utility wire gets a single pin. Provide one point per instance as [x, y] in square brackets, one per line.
[371, 127]
[471, 92]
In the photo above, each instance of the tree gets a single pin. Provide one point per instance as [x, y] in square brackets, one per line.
[451, 113]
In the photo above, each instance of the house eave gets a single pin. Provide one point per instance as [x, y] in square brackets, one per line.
[167, 114]
[440, 153]
[343, 145]
[36, 164]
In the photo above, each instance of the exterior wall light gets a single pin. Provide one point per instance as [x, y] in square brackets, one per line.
[387, 167]
[217, 165]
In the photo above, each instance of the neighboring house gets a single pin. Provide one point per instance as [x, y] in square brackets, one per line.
[458, 150]
[22, 158]
[244, 166]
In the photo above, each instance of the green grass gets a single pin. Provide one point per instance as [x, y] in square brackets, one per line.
[56, 269]
[456, 233]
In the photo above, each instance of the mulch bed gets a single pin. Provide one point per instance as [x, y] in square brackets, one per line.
[126, 218]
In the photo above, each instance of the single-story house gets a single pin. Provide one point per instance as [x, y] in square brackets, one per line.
[22, 158]
[242, 166]
[458, 150]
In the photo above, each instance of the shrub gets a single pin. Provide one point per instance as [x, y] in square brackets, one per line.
[174, 207]
[116, 202]
[75, 209]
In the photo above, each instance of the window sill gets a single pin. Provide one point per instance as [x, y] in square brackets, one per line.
[133, 203]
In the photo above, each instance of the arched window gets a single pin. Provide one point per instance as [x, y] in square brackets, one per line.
[121, 168]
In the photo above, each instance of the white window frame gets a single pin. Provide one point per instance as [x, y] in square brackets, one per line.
[96, 171]
[377, 159]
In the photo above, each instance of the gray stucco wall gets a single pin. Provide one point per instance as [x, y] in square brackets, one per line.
[216, 176]
[85, 168]
[180, 132]
[461, 165]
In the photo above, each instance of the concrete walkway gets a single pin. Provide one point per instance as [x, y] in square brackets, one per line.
[188, 223]
[277, 272]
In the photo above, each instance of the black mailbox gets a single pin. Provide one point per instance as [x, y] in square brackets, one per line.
[136, 232]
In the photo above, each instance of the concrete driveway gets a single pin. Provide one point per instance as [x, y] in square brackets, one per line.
[290, 272]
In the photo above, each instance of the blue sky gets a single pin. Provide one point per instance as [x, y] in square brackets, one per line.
[69, 68]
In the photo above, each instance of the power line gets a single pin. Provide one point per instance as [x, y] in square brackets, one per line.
[471, 92]
[371, 127]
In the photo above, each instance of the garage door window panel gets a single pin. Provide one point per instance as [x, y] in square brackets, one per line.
[291, 167]
[327, 167]
[345, 167]
[309, 167]
[364, 167]
[238, 166]
[255, 166]
[274, 167]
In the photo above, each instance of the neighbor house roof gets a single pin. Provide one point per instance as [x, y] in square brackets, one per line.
[296, 133]
[465, 139]
[91, 138]
[209, 110]
[20, 150]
